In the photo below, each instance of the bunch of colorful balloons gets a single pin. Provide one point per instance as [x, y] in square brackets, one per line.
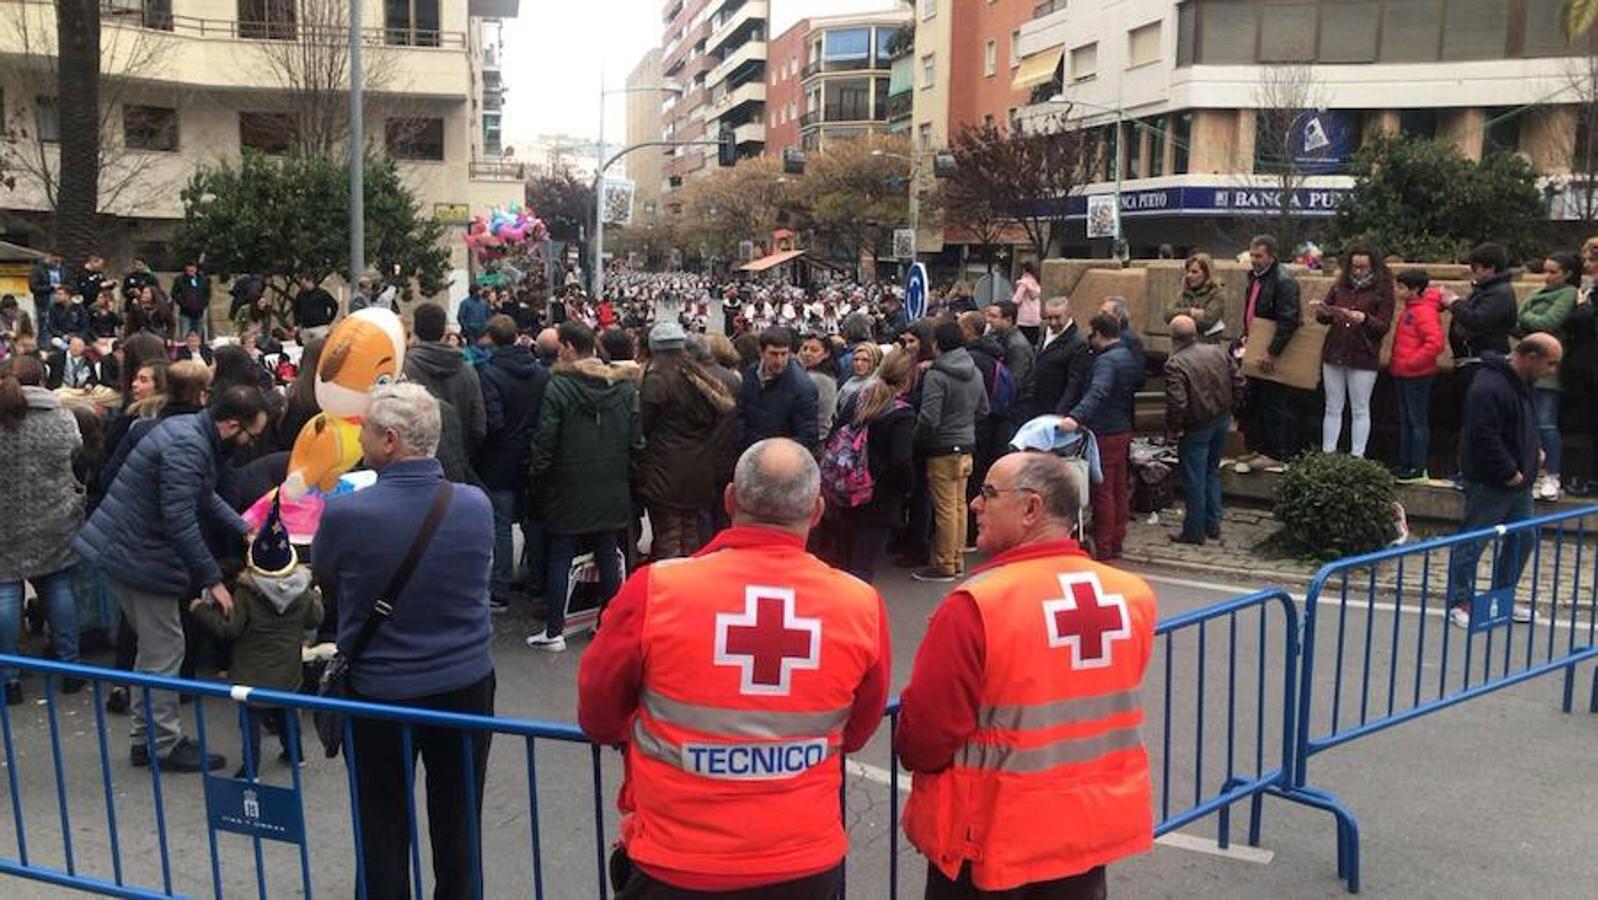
[502, 231]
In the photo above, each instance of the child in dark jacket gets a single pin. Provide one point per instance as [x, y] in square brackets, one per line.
[1417, 341]
[274, 604]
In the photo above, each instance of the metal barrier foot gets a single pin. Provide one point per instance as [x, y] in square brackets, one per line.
[1347, 829]
[1592, 705]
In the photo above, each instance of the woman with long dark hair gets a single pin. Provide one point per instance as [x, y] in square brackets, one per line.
[302, 403]
[682, 407]
[1357, 311]
[41, 508]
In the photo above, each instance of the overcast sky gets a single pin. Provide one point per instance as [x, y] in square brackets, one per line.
[555, 51]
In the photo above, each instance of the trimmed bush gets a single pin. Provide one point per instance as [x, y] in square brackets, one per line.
[1333, 505]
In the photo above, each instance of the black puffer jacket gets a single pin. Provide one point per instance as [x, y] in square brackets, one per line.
[1482, 321]
[1498, 437]
[513, 387]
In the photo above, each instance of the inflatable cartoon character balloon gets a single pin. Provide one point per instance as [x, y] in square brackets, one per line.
[364, 351]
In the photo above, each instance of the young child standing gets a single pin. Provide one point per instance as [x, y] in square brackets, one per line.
[1417, 341]
[273, 606]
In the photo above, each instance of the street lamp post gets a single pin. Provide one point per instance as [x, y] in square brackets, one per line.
[600, 165]
[914, 208]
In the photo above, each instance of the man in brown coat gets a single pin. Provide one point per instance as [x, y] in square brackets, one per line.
[1201, 387]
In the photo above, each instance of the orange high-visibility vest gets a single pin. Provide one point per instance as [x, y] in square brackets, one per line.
[1055, 780]
[752, 660]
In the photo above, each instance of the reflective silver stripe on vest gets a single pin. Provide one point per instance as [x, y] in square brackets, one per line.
[1002, 758]
[673, 755]
[744, 723]
[1059, 712]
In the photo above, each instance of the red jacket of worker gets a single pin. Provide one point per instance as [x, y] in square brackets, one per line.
[1418, 336]
[736, 679]
[1021, 721]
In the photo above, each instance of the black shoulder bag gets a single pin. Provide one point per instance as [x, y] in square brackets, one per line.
[335, 678]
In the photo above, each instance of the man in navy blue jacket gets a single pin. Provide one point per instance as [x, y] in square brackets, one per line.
[513, 388]
[1498, 460]
[777, 398]
[146, 535]
[1106, 410]
[431, 653]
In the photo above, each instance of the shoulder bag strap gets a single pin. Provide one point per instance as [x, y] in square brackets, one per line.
[383, 606]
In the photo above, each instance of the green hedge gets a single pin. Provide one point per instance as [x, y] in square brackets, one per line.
[1333, 505]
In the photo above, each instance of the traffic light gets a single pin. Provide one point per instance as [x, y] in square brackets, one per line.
[793, 161]
[727, 147]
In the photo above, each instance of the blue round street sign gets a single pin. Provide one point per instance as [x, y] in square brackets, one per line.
[915, 292]
[1319, 142]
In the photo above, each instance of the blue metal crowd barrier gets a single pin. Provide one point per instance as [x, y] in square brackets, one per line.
[1218, 667]
[1349, 629]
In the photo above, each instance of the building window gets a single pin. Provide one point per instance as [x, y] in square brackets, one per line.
[1143, 45]
[1411, 32]
[929, 8]
[1478, 29]
[269, 133]
[990, 59]
[47, 119]
[1182, 125]
[1132, 152]
[1085, 62]
[987, 120]
[1287, 33]
[149, 128]
[924, 135]
[1015, 48]
[1351, 36]
[411, 22]
[1501, 131]
[885, 46]
[1421, 123]
[272, 20]
[418, 139]
[929, 71]
[846, 48]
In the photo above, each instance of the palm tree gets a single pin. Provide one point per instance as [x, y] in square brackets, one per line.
[78, 103]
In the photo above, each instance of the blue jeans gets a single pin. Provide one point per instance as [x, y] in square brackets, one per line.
[1200, 453]
[562, 549]
[196, 324]
[1547, 402]
[1487, 505]
[56, 591]
[1414, 418]
[504, 571]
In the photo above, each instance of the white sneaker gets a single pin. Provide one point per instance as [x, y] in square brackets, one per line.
[1459, 615]
[1271, 466]
[1548, 488]
[1521, 612]
[544, 642]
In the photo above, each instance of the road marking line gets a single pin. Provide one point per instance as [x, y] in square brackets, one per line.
[1435, 612]
[1239, 852]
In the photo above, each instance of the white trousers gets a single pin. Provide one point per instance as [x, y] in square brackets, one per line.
[1346, 387]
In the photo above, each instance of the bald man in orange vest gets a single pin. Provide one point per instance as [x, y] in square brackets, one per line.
[736, 678]
[1020, 722]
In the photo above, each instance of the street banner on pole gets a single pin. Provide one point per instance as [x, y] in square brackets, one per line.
[904, 243]
[1103, 216]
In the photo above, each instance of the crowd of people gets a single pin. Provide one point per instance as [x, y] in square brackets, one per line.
[588, 422]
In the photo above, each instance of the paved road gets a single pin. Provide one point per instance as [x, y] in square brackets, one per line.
[1493, 798]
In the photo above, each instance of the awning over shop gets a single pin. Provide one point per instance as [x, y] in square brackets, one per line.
[767, 262]
[1037, 69]
[901, 77]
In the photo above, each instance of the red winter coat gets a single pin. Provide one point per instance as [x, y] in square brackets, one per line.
[1419, 337]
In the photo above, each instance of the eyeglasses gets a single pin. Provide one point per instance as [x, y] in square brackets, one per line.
[989, 492]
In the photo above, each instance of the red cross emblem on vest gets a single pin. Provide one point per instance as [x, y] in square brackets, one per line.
[768, 641]
[1087, 620]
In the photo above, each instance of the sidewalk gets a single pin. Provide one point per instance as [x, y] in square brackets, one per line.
[1236, 557]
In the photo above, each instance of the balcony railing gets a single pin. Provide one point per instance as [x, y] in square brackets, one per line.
[809, 119]
[498, 170]
[899, 105]
[286, 30]
[1047, 6]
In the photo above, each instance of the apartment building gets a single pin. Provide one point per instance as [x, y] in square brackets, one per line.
[966, 55]
[1189, 87]
[788, 59]
[715, 50]
[645, 168]
[195, 82]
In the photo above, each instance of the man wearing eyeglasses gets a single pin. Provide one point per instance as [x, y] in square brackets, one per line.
[146, 536]
[1020, 721]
